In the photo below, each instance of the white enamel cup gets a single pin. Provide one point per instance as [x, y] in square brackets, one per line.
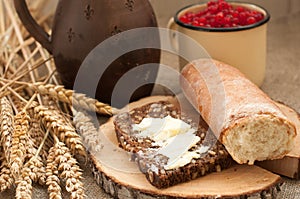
[242, 47]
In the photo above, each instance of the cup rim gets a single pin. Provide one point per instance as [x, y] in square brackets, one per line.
[230, 29]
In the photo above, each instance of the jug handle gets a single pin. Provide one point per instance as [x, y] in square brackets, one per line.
[32, 26]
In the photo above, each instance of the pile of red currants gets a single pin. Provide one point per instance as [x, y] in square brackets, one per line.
[221, 14]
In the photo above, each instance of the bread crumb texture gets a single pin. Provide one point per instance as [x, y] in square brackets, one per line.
[260, 137]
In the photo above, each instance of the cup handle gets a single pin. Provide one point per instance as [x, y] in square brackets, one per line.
[172, 27]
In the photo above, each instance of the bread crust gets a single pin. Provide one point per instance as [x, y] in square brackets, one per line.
[224, 96]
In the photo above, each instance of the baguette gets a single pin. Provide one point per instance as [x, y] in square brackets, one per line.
[246, 121]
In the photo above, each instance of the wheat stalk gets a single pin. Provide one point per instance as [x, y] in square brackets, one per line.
[63, 129]
[72, 98]
[7, 125]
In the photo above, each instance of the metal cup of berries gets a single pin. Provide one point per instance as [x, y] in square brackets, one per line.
[232, 32]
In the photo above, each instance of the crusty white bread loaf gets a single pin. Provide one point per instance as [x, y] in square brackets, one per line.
[246, 120]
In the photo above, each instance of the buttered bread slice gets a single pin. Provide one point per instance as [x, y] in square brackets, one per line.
[169, 147]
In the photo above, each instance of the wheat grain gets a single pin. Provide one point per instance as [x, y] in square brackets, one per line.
[49, 102]
[61, 128]
[20, 140]
[72, 98]
[7, 123]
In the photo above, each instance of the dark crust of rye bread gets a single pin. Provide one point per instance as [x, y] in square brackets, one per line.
[143, 150]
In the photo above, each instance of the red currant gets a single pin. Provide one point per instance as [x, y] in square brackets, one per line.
[202, 20]
[251, 20]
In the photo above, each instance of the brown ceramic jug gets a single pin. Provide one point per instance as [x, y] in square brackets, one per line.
[80, 25]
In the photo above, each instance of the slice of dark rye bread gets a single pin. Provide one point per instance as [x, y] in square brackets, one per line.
[144, 150]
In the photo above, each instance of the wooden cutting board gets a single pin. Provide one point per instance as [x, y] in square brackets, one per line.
[122, 179]
[289, 165]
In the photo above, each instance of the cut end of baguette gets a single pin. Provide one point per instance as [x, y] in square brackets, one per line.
[264, 137]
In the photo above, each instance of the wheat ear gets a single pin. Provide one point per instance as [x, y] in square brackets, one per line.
[7, 125]
[36, 135]
[70, 171]
[33, 171]
[19, 142]
[24, 184]
[35, 163]
[52, 180]
[67, 168]
[6, 178]
[72, 98]
[54, 120]
[87, 130]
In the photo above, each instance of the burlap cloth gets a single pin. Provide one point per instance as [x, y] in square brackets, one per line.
[282, 83]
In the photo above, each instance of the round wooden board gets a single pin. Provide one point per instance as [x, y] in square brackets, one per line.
[122, 179]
